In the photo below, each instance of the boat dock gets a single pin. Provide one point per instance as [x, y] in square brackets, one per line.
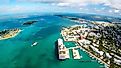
[76, 54]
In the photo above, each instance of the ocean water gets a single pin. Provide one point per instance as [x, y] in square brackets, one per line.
[18, 53]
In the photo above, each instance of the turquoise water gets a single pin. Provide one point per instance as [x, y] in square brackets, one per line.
[18, 53]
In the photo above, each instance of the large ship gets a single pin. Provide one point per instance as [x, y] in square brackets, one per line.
[62, 51]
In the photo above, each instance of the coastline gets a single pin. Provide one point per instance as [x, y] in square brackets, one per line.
[77, 33]
[11, 35]
[93, 55]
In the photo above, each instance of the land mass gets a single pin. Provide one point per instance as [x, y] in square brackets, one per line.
[29, 22]
[9, 33]
[99, 39]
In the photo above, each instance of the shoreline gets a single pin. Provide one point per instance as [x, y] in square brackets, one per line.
[65, 34]
[10, 35]
[93, 55]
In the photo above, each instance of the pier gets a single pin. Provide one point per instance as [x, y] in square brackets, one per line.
[76, 54]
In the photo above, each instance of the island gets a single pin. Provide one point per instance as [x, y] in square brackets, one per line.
[74, 19]
[101, 40]
[9, 33]
[29, 22]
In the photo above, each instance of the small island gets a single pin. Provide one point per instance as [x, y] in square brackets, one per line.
[9, 33]
[29, 22]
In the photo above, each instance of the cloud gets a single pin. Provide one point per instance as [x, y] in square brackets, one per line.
[12, 9]
[63, 4]
[40, 1]
[115, 3]
[89, 6]
[110, 11]
[112, 3]
[70, 3]
[116, 11]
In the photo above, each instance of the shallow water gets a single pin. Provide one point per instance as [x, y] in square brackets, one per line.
[18, 53]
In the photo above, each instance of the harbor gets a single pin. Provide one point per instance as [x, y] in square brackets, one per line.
[34, 47]
[63, 51]
[93, 40]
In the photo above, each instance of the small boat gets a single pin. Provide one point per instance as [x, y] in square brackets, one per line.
[34, 44]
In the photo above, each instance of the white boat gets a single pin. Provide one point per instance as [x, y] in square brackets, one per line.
[34, 44]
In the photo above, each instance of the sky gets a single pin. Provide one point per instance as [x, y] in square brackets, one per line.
[106, 7]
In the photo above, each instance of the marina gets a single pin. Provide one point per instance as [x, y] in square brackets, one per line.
[92, 40]
[63, 51]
